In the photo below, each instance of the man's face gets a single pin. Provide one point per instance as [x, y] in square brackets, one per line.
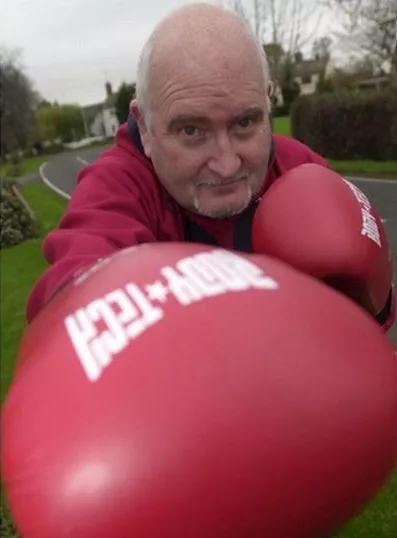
[209, 139]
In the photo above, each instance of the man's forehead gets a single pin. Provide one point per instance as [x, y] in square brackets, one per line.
[221, 67]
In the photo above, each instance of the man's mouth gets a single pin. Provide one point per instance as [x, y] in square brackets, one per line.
[218, 184]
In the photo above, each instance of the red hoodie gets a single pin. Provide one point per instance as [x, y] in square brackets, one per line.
[118, 202]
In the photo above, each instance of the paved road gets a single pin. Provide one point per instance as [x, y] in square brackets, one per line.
[62, 172]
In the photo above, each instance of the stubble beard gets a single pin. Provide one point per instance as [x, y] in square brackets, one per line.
[224, 212]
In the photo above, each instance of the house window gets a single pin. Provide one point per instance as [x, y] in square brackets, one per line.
[306, 79]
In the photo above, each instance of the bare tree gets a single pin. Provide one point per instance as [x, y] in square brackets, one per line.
[290, 24]
[251, 14]
[370, 26]
[18, 101]
[285, 28]
[321, 47]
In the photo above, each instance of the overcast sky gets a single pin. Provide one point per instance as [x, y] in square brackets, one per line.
[71, 47]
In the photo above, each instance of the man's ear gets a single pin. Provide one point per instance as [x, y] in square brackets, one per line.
[142, 127]
[270, 90]
[133, 106]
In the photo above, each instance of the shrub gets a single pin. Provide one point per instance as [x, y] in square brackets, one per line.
[348, 125]
[7, 529]
[12, 166]
[16, 222]
[12, 170]
[280, 111]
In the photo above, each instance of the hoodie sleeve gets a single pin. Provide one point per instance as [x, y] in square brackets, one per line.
[109, 210]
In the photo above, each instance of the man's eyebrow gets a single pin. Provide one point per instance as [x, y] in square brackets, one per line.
[255, 112]
[183, 119]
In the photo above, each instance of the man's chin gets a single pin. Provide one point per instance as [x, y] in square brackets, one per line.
[224, 212]
[221, 207]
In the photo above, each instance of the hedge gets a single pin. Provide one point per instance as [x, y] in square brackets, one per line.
[348, 125]
[17, 223]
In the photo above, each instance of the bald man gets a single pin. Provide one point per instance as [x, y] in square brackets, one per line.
[195, 155]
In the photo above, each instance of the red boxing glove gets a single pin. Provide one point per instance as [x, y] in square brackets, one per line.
[323, 225]
[182, 390]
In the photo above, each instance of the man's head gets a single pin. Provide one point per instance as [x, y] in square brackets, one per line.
[203, 109]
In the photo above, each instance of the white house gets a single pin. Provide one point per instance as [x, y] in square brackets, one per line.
[101, 119]
[307, 73]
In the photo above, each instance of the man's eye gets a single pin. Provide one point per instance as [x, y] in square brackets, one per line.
[245, 123]
[189, 130]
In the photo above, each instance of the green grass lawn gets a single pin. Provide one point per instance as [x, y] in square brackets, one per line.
[21, 266]
[282, 125]
[365, 168]
[379, 520]
[27, 166]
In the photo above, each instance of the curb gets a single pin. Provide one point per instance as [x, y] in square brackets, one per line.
[24, 202]
[369, 179]
[50, 185]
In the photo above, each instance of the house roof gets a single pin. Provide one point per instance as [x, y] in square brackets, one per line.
[91, 111]
[301, 68]
[375, 81]
[110, 101]
[310, 67]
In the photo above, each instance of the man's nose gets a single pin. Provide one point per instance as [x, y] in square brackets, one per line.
[224, 160]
